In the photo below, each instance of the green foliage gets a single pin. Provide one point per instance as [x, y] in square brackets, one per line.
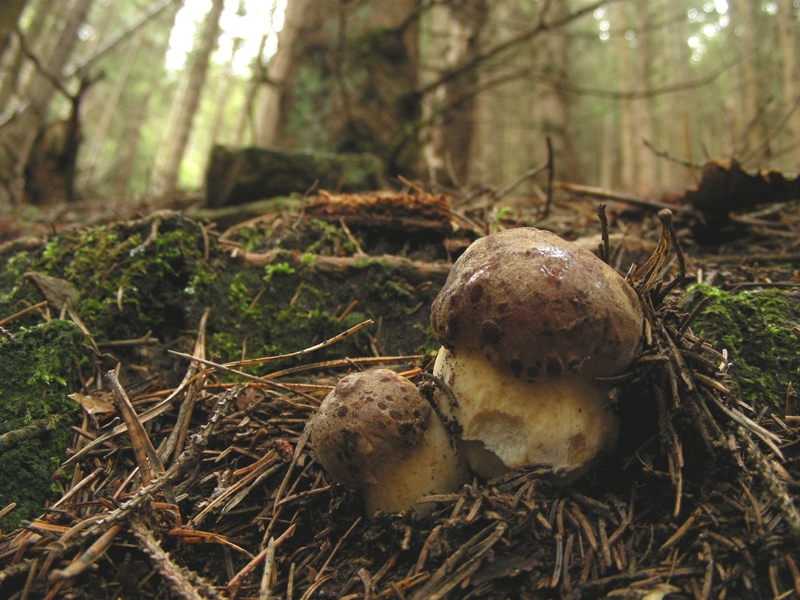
[118, 160]
[27, 469]
[152, 275]
[281, 268]
[756, 328]
[132, 282]
[328, 237]
[38, 370]
[242, 297]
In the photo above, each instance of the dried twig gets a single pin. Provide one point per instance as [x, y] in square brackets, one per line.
[182, 582]
[150, 466]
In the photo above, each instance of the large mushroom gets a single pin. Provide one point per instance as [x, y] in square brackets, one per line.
[528, 322]
[377, 434]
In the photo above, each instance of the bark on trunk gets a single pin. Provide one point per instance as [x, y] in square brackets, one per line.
[344, 81]
[165, 176]
[16, 141]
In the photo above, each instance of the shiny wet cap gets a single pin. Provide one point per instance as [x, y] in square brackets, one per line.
[538, 306]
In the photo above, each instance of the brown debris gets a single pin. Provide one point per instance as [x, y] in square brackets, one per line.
[703, 506]
[417, 212]
[726, 187]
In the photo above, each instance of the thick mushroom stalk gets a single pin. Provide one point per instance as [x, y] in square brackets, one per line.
[508, 422]
[528, 321]
[375, 433]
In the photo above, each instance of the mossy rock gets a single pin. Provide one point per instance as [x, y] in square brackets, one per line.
[146, 283]
[759, 330]
[156, 276]
[240, 175]
[293, 304]
[39, 368]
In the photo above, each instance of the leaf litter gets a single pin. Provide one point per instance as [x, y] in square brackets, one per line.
[211, 490]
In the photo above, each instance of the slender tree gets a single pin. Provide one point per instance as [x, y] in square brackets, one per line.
[187, 100]
[344, 80]
[126, 165]
[226, 81]
[110, 106]
[627, 130]
[787, 42]
[247, 114]
[9, 17]
[16, 140]
[277, 76]
[641, 39]
[450, 111]
[13, 60]
[524, 71]
[224, 84]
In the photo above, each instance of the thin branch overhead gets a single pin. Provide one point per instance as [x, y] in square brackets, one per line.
[497, 50]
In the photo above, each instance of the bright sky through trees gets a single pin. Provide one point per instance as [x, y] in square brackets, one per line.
[260, 18]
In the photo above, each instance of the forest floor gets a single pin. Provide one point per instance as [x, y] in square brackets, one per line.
[223, 342]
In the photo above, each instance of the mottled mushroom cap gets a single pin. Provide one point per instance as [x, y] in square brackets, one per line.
[539, 306]
[368, 420]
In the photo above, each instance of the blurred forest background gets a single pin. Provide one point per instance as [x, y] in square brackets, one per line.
[123, 100]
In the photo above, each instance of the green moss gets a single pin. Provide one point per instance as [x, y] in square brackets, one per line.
[755, 327]
[328, 238]
[242, 296]
[133, 278]
[38, 370]
[281, 268]
[45, 357]
[391, 290]
[363, 262]
[286, 307]
[153, 275]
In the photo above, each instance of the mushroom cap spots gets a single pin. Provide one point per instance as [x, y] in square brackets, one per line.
[369, 420]
[538, 306]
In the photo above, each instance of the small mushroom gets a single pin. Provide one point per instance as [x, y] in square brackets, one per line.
[375, 433]
[528, 321]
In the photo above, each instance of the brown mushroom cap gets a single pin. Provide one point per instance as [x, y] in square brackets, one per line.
[376, 433]
[538, 306]
[368, 419]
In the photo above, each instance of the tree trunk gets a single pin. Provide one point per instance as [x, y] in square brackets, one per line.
[522, 102]
[13, 60]
[224, 84]
[647, 174]
[745, 18]
[450, 110]
[679, 142]
[126, 161]
[552, 109]
[165, 175]
[278, 74]
[9, 16]
[627, 133]
[125, 157]
[787, 44]
[16, 141]
[607, 149]
[247, 114]
[110, 106]
[349, 82]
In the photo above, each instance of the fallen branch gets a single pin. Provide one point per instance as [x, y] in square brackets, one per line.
[338, 266]
[596, 192]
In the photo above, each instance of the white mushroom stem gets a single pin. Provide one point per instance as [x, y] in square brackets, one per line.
[564, 423]
[430, 467]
